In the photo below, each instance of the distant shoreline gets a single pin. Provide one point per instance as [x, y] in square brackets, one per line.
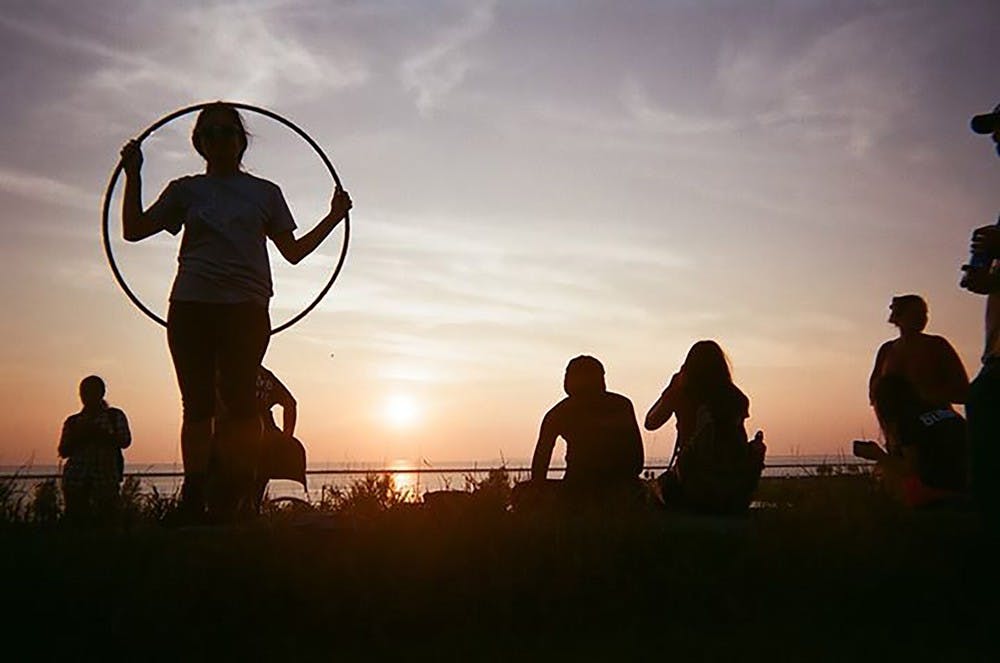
[423, 467]
[424, 476]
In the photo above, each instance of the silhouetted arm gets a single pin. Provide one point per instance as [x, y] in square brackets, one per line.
[637, 456]
[136, 224]
[289, 408]
[665, 405]
[294, 250]
[877, 369]
[547, 435]
[67, 440]
[121, 436]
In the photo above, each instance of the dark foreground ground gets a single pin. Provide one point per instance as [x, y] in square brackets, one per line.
[832, 571]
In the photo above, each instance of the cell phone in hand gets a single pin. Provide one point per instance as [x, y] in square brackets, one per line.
[867, 449]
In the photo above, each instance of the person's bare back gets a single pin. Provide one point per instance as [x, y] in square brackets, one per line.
[929, 362]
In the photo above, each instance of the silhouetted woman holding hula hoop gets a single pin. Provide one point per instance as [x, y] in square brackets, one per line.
[218, 315]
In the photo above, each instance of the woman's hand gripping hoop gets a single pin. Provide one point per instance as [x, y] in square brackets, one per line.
[193, 109]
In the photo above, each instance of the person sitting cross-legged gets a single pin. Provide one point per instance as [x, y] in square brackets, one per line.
[604, 454]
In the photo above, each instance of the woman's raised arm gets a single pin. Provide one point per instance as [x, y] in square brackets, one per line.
[135, 224]
[294, 250]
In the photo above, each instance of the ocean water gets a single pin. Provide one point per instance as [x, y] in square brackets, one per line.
[411, 478]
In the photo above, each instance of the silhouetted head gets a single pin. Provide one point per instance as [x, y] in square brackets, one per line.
[92, 391]
[706, 368]
[909, 313]
[584, 375]
[219, 135]
[989, 123]
[895, 397]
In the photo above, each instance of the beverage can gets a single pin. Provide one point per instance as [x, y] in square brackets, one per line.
[981, 260]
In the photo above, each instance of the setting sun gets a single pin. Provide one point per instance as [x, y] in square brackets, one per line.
[401, 411]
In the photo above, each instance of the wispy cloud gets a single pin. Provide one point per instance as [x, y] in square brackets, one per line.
[59, 38]
[845, 85]
[204, 52]
[45, 189]
[441, 67]
[209, 52]
[649, 116]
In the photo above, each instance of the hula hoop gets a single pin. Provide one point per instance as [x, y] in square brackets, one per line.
[109, 252]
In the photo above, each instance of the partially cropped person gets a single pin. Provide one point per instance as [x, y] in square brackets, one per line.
[931, 465]
[604, 454]
[982, 277]
[218, 315]
[282, 454]
[91, 442]
[927, 361]
[716, 469]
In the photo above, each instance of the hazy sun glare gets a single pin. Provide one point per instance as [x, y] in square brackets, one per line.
[401, 411]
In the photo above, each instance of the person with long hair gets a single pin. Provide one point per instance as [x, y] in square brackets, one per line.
[91, 442]
[218, 316]
[715, 467]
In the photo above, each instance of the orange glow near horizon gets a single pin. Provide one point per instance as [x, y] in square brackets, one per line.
[768, 179]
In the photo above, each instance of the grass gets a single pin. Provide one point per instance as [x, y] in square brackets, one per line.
[835, 571]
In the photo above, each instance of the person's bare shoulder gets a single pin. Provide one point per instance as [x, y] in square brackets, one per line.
[938, 343]
[885, 347]
[557, 411]
[619, 399]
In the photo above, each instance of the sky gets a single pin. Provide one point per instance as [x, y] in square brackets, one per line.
[532, 181]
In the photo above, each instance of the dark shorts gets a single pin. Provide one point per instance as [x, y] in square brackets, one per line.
[204, 335]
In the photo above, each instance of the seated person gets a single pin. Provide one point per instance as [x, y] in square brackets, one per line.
[929, 362]
[281, 454]
[604, 454]
[932, 464]
[716, 469]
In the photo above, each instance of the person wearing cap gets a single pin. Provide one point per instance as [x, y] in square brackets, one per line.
[982, 406]
[604, 453]
[927, 361]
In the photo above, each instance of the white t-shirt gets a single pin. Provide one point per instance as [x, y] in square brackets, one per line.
[227, 220]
